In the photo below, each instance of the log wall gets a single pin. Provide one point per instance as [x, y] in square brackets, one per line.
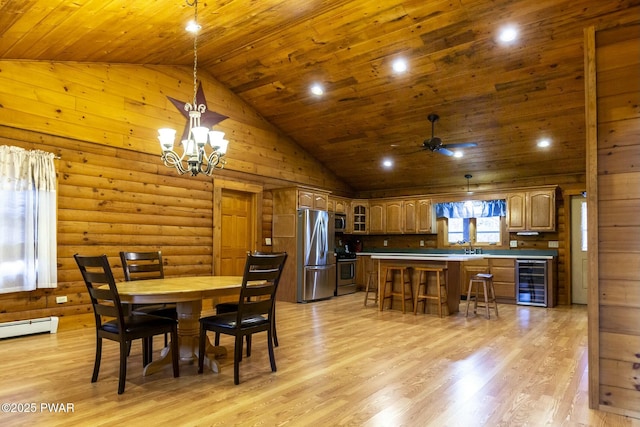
[113, 191]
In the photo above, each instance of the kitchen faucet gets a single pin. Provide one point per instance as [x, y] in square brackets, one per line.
[470, 250]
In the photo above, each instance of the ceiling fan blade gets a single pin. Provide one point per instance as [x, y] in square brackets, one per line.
[443, 150]
[461, 145]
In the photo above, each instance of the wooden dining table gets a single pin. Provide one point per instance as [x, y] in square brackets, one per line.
[187, 293]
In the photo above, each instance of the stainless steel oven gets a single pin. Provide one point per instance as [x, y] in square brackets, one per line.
[346, 275]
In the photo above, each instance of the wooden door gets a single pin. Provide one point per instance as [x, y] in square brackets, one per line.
[236, 231]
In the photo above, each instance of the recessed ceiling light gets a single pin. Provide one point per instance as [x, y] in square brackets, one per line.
[508, 34]
[399, 65]
[387, 163]
[316, 89]
[545, 142]
[193, 27]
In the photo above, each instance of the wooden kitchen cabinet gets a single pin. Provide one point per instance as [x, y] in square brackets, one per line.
[504, 276]
[313, 199]
[532, 210]
[410, 216]
[377, 210]
[504, 279]
[342, 205]
[425, 219]
[359, 220]
[394, 217]
[364, 264]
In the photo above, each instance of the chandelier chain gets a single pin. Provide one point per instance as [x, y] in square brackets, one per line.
[195, 54]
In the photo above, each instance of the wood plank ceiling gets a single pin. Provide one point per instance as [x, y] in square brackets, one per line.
[504, 97]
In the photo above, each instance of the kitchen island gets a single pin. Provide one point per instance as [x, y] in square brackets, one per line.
[452, 262]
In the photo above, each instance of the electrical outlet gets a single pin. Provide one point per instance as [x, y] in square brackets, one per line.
[553, 243]
[61, 300]
[385, 242]
[513, 243]
[421, 242]
[267, 241]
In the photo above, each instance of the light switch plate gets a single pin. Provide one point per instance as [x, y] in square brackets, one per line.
[421, 242]
[513, 243]
[267, 241]
[385, 242]
[553, 243]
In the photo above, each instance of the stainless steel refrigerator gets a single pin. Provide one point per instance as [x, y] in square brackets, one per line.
[316, 258]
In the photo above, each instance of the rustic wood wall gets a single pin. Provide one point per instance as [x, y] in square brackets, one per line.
[613, 121]
[114, 193]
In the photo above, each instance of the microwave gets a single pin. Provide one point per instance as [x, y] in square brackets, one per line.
[340, 223]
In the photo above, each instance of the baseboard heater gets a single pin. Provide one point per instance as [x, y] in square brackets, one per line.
[28, 327]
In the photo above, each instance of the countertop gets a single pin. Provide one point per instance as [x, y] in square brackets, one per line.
[435, 254]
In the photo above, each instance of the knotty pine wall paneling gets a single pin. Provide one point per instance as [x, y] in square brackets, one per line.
[113, 199]
[612, 62]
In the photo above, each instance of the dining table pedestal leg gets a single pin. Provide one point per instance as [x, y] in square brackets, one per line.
[188, 335]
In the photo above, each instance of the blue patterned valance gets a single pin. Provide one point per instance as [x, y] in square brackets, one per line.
[471, 209]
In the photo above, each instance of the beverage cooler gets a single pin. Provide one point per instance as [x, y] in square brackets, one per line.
[531, 282]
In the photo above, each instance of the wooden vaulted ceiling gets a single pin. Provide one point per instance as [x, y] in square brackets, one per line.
[504, 97]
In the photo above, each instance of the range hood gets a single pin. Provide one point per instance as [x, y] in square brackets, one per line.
[527, 233]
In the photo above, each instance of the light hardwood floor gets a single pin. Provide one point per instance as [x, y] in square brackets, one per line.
[339, 364]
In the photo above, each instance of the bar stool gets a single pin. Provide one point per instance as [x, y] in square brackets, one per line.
[422, 292]
[405, 281]
[372, 286]
[486, 280]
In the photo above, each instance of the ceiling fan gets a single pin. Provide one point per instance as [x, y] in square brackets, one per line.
[435, 144]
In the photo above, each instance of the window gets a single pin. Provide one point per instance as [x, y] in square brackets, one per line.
[477, 221]
[583, 226]
[477, 230]
[27, 220]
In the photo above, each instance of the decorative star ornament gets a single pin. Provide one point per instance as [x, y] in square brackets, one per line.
[207, 119]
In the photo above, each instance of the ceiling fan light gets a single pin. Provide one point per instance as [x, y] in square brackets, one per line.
[458, 154]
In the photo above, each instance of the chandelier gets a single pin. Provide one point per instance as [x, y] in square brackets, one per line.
[194, 157]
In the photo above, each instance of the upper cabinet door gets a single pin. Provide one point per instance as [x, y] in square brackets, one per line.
[516, 212]
[425, 221]
[533, 210]
[541, 210]
[376, 217]
[410, 216]
[393, 217]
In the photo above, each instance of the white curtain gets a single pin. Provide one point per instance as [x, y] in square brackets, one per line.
[27, 220]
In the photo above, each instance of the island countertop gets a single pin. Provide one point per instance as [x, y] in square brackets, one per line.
[444, 256]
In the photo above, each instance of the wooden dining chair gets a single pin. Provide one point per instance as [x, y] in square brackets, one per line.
[145, 266]
[255, 309]
[232, 307]
[111, 321]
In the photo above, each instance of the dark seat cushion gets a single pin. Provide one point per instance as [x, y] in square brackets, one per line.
[139, 322]
[228, 321]
[163, 310]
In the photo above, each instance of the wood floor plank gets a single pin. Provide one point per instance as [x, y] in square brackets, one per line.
[339, 364]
